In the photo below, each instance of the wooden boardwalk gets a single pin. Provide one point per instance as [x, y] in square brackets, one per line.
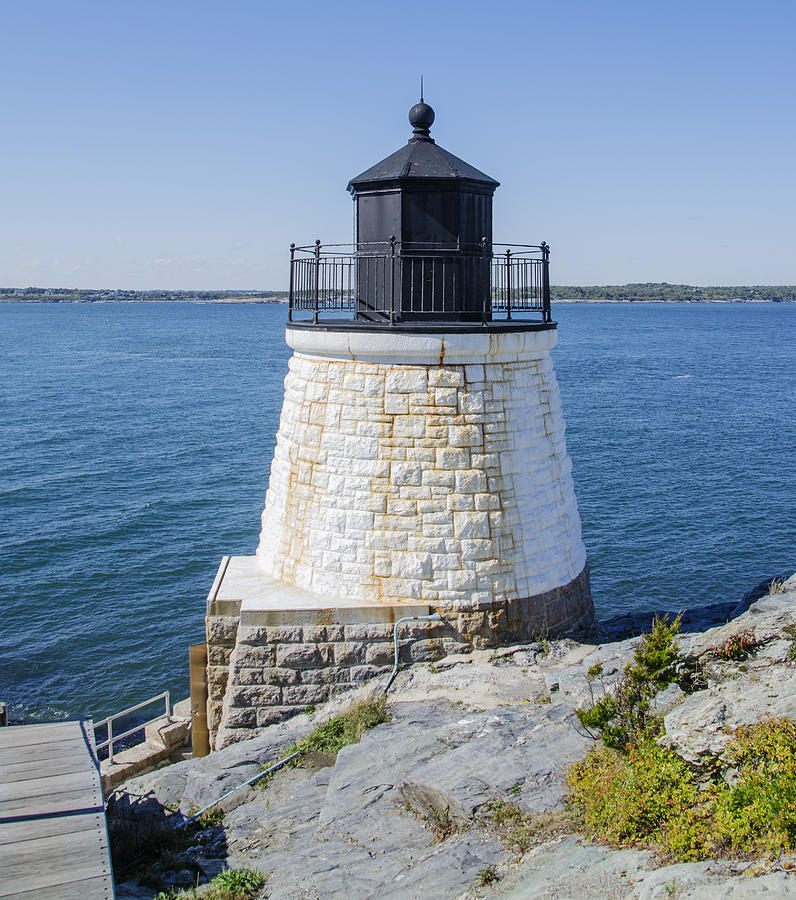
[53, 837]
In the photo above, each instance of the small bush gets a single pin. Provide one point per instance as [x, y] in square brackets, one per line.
[627, 798]
[758, 813]
[624, 718]
[650, 797]
[737, 646]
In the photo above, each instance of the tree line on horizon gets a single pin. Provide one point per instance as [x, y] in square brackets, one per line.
[651, 292]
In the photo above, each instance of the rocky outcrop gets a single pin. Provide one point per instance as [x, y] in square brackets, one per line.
[405, 812]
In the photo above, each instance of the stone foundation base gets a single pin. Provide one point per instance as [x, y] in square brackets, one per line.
[273, 651]
[563, 610]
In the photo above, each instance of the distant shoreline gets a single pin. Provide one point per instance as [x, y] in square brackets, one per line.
[554, 300]
[652, 292]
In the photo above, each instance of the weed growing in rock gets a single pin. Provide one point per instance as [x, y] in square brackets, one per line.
[328, 740]
[594, 671]
[790, 634]
[520, 831]
[213, 816]
[624, 718]
[233, 884]
[442, 824]
[487, 876]
[737, 646]
[650, 797]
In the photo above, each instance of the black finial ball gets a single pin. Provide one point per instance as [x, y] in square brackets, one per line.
[421, 115]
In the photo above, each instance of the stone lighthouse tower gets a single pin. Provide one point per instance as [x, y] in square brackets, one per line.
[420, 465]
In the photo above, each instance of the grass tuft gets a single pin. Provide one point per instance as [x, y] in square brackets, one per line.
[487, 876]
[233, 884]
[327, 740]
[790, 634]
[519, 831]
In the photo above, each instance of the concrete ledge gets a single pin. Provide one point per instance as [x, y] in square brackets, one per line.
[404, 348]
[265, 601]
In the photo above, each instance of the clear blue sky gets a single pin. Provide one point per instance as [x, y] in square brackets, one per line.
[185, 145]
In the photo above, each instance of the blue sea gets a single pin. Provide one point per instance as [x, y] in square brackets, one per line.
[137, 439]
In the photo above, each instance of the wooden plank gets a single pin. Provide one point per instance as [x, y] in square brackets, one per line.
[51, 733]
[37, 752]
[48, 785]
[44, 768]
[49, 861]
[63, 802]
[28, 828]
[100, 888]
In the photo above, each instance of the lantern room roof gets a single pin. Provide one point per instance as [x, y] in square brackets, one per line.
[422, 157]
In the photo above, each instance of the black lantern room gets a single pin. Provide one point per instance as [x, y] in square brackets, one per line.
[434, 212]
[423, 253]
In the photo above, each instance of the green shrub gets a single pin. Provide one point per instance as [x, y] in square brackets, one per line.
[758, 814]
[623, 718]
[627, 798]
[650, 797]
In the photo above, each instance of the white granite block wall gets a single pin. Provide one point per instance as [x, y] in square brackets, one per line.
[404, 470]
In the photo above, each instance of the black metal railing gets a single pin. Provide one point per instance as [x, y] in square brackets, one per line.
[390, 282]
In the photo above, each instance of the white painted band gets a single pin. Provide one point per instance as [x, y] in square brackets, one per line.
[426, 349]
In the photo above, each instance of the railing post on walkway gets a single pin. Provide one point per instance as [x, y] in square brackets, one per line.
[317, 280]
[508, 284]
[290, 295]
[546, 316]
[110, 742]
[392, 279]
[488, 286]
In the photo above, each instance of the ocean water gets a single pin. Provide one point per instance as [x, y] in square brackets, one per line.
[136, 442]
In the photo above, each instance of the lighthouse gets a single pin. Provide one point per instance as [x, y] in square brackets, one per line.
[420, 465]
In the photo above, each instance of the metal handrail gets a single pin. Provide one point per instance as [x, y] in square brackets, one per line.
[393, 279]
[108, 723]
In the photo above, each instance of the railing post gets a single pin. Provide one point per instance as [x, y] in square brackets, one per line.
[168, 704]
[488, 285]
[110, 742]
[392, 279]
[290, 295]
[317, 280]
[546, 316]
[508, 284]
